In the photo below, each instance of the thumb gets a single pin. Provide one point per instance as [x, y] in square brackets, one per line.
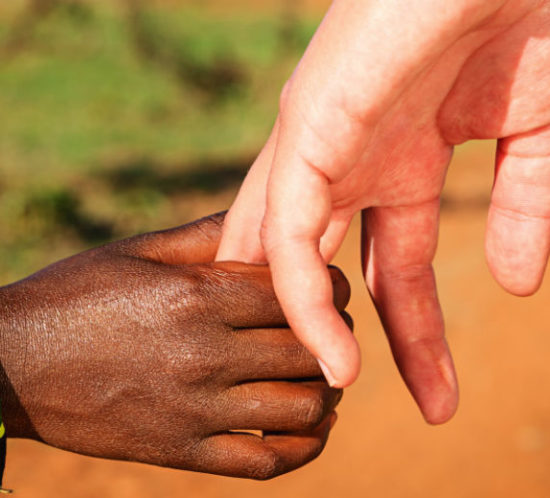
[196, 242]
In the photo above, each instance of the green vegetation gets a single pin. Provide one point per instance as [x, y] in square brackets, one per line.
[115, 118]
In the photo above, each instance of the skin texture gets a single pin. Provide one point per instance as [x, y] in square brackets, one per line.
[368, 122]
[145, 350]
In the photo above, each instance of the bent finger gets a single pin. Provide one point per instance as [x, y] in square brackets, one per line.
[518, 230]
[273, 354]
[269, 353]
[399, 245]
[303, 284]
[280, 406]
[253, 457]
[244, 295]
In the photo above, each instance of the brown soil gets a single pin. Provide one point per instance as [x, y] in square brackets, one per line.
[498, 445]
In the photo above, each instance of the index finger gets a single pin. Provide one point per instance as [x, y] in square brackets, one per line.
[301, 279]
[244, 296]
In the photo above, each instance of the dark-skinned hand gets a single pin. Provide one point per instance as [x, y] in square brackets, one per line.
[145, 350]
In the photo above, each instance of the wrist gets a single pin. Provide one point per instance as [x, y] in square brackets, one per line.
[13, 362]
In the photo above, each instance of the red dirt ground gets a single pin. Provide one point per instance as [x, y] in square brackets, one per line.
[498, 445]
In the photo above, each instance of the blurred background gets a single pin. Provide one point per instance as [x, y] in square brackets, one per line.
[118, 117]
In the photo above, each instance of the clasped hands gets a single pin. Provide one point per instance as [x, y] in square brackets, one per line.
[367, 122]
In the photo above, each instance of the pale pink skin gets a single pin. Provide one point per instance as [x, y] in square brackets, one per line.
[368, 121]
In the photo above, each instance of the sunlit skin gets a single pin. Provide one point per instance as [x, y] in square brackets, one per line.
[368, 122]
[145, 350]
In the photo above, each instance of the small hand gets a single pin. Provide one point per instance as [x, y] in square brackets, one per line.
[144, 350]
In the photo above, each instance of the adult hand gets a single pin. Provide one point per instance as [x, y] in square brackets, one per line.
[144, 350]
[368, 122]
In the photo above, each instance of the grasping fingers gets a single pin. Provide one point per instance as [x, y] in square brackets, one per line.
[291, 239]
[283, 406]
[250, 456]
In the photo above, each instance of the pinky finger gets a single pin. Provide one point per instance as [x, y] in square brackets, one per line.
[236, 454]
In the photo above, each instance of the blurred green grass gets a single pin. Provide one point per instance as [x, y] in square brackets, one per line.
[114, 114]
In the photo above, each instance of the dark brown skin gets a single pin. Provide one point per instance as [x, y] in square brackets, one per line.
[145, 350]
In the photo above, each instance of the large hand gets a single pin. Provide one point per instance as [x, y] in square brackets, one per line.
[143, 350]
[368, 122]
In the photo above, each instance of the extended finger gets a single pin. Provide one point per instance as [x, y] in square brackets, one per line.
[399, 246]
[279, 405]
[518, 230]
[253, 457]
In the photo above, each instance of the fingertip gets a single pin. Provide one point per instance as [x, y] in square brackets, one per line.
[428, 370]
[442, 409]
[516, 269]
[520, 286]
[343, 370]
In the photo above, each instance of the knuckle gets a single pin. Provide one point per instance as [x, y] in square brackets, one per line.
[407, 274]
[312, 411]
[316, 448]
[266, 234]
[266, 466]
[213, 222]
[523, 212]
[202, 365]
[193, 282]
[184, 287]
[207, 291]
[274, 235]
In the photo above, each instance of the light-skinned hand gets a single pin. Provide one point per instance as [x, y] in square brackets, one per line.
[368, 122]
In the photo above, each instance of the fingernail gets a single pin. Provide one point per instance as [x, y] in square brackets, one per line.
[333, 419]
[328, 374]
